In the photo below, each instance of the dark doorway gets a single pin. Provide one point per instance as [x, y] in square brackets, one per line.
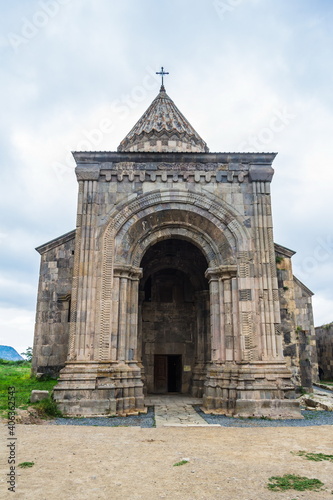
[173, 314]
[174, 373]
[167, 373]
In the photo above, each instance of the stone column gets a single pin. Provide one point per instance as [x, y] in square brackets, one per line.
[271, 343]
[223, 321]
[82, 329]
[201, 341]
[127, 317]
[139, 347]
[122, 318]
[132, 346]
[215, 332]
[201, 299]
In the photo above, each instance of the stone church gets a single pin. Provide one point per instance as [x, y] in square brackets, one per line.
[171, 281]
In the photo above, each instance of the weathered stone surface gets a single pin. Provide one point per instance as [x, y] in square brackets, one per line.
[318, 401]
[324, 338]
[169, 282]
[38, 395]
[296, 322]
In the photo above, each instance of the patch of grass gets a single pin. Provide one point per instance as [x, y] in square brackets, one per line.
[18, 374]
[182, 462]
[316, 457]
[301, 390]
[292, 482]
[26, 465]
[47, 408]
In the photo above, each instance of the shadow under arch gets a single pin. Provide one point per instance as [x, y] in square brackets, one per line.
[173, 317]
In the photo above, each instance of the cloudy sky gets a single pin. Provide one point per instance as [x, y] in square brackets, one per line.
[250, 75]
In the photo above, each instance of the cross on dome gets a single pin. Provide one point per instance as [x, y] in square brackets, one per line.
[162, 73]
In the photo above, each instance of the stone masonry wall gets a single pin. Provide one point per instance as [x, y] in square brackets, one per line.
[297, 325]
[324, 336]
[288, 314]
[168, 329]
[53, 306]
[221, 198]
[306, 334]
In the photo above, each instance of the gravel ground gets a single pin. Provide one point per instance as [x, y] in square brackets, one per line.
[144, 420]
[311, 418]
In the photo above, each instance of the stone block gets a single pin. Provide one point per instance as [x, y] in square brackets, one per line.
[38, 396]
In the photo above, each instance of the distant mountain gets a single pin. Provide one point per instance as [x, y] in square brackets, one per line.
[9, 353]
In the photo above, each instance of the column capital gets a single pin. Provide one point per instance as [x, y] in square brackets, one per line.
[88, 172]
[126, 271]
[222, 272]
[261, 173]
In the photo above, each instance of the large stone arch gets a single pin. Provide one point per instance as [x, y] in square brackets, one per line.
[214, 209]
[134, 225]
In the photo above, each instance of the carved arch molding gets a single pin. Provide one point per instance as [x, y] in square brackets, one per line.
[133, 226]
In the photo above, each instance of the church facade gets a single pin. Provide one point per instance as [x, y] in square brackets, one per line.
[171, 281]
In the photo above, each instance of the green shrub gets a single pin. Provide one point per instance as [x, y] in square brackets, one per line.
[47, 408]
[25, 465]
[316, 457]
[292, 482]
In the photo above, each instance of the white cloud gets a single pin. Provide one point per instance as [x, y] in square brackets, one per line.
[229, 75]
[17, 328]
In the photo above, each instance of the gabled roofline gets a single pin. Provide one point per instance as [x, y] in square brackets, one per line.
[286, 252]
[305, 288]
[56, 242]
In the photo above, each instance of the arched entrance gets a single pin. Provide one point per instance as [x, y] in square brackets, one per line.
[173, 317]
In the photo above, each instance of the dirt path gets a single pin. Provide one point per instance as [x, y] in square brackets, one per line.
[82, 463]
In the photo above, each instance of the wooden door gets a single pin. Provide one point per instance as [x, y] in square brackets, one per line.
[161, 373]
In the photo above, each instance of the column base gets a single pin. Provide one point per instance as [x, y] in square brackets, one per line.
[250, 390]
[199, 376]
[99, 388]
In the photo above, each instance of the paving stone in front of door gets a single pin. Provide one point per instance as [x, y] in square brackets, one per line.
[176, 411]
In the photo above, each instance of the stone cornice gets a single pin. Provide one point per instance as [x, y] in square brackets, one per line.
[100, 157]
[207, 167]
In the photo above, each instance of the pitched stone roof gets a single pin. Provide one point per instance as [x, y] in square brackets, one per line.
[163, 128]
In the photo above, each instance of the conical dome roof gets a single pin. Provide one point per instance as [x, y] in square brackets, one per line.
[163, 128]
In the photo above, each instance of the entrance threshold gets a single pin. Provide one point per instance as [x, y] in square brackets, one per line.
[173, 398]
[175, 410]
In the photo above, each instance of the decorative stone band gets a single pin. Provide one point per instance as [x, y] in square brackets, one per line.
[255, 174]
[84, 174]
[165, 176]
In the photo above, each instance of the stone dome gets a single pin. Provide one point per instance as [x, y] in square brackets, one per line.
[163, 128]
